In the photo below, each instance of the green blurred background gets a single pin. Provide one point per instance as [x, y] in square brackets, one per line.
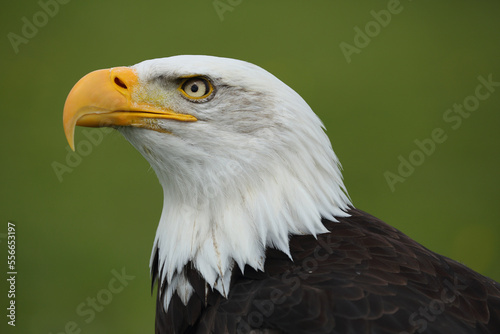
[103, 215]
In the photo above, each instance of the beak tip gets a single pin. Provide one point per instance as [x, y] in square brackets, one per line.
[69, 132]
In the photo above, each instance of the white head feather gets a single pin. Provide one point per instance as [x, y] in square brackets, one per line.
[254, 169]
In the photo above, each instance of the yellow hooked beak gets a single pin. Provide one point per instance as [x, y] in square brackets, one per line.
[104, 98]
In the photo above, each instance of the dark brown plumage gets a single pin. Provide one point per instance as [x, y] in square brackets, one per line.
[363, 277]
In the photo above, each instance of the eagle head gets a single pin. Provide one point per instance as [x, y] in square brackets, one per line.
[243, 160]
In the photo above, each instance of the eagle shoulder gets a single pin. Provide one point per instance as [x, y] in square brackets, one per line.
[364, 276]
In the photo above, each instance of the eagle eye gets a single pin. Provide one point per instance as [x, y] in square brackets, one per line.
[196, 88]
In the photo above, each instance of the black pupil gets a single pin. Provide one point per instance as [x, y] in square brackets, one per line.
[194, 88]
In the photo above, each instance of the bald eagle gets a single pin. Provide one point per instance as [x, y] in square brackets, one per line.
[257, 233]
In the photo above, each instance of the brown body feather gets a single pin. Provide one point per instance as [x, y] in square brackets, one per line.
[363, 277]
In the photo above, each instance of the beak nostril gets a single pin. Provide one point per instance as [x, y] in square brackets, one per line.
[120, 83]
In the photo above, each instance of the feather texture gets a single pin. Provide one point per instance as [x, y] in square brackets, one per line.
[362, 277]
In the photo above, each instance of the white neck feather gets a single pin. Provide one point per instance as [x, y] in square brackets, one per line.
[232, 218]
